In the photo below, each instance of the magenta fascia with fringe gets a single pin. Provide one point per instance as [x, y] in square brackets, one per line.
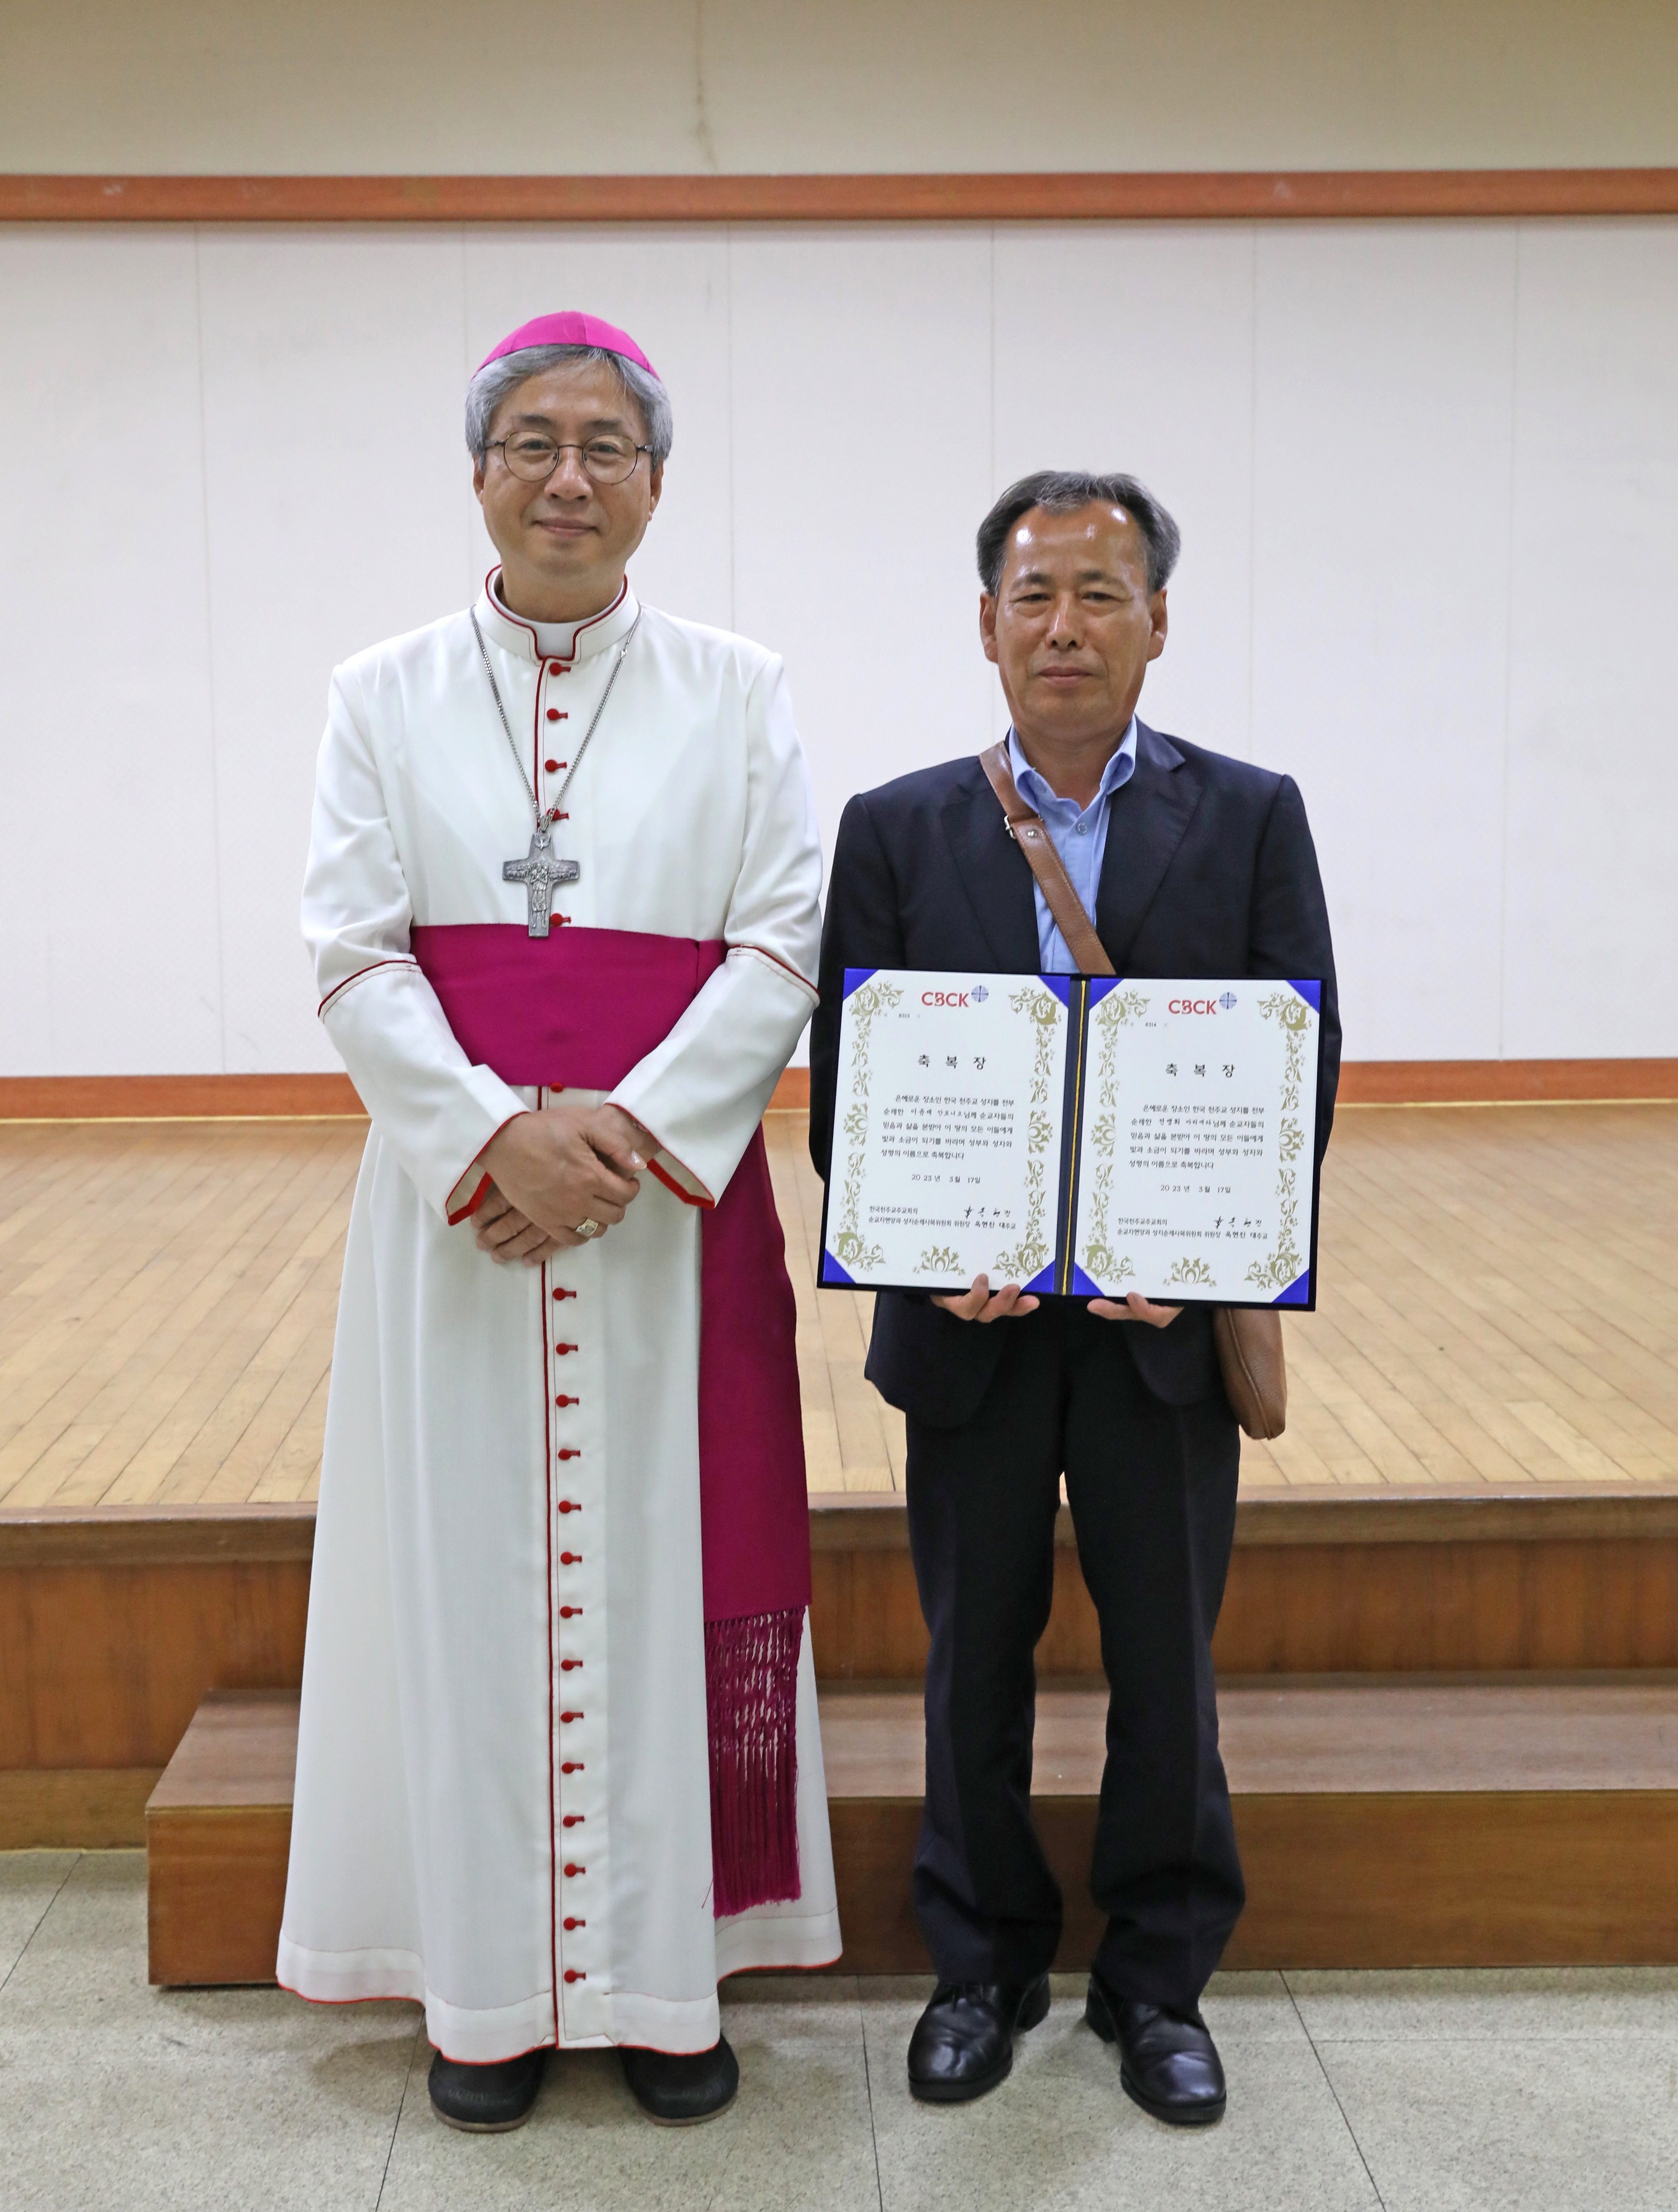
[577, 1010]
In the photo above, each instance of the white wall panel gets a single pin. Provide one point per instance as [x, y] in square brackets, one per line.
[421, 88]
[1132, 347]
[1384, 418]
[107, 835]
[1593, 772]
[861, 466]
[1360, 426]
[339, 513]
[669, 289]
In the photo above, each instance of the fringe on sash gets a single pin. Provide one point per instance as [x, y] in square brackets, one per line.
[751, 1695]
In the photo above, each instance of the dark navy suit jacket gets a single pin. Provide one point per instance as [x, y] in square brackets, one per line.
[1209, 871]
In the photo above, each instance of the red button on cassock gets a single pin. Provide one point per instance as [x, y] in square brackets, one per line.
[570, 1452]
[566, 1665]
[564, 1294]
[571, 1766]
[573, 1975]
[560, 1350]
[555, 668]
[570, 1717]
[571, 1869]
[554, 714]
[570, 1611]
[570, 1558]
[552, 767]
[563, 1400]
[570, 1505]
[572, 1821]
[573, 1923]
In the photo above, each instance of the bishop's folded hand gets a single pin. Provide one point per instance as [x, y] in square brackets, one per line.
[620, 1140]
[559, 1166]
[507, 1235]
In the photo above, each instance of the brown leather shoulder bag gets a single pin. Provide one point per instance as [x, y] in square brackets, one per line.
[1249, 1338]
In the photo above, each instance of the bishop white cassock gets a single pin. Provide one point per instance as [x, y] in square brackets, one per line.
[504, 1803]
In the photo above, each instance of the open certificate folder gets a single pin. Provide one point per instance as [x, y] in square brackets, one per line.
[1084, 1136]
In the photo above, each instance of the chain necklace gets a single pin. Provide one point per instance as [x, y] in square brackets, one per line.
[540, 870]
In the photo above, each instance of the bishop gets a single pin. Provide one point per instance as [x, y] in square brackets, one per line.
[559, 1769]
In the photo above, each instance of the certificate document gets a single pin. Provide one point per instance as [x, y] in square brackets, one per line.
[1086, 1136]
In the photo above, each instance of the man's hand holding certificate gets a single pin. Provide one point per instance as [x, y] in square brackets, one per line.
[1081, 1137]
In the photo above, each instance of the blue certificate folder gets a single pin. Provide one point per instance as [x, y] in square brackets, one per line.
[1084, 1136]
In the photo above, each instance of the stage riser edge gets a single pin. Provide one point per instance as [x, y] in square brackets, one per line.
[1464, 1608]
[103, 1666]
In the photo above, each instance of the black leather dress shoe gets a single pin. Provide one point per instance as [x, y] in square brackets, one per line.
[676, 2088]
[1168, 2062]
[964, 2043]
[486, 2100]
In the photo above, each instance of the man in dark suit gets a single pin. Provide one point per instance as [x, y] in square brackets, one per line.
[1193, 864]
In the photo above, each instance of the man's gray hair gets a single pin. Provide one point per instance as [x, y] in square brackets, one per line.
[1063, 491]
[497, 378]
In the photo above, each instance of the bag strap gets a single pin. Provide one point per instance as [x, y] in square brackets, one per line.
[1250, 1352]
[1030, 833]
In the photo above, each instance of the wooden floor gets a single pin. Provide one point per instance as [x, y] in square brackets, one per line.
[1499, 1308]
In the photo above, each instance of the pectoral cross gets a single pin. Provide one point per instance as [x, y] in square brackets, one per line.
[538, 872]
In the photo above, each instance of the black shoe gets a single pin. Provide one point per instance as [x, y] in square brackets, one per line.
[1168, 2062]
[676, 2088]
[486, 2100]
[964, 2043]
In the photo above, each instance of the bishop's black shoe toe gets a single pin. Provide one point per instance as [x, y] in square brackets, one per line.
[964, 2043]
[486, 2100]
[676, 2089]
[1168, 2062]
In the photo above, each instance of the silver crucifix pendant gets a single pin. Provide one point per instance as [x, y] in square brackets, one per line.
[538, 872]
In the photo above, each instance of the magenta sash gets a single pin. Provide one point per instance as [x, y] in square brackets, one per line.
[577, 1010]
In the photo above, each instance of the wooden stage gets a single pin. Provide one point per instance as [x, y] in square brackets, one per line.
[1449, 1649]
[1499, 1308]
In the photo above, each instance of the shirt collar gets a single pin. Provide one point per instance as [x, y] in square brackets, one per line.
[1032, 786]
[568, 643]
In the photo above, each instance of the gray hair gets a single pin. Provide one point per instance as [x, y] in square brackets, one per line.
[1063, 491]
[497, 378]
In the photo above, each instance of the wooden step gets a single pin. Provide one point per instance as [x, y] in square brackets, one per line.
[113, 1624]
[1383, 1821]
[218, 1833]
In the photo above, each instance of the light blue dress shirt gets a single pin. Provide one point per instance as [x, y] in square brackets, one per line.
[1080, 838]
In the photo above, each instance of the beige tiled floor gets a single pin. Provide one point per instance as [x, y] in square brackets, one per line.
[1539, 2091]
[1499, 1305]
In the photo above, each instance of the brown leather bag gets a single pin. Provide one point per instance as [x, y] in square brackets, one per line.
[1249, 1338]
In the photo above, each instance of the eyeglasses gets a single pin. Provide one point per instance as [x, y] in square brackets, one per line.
[533, 456]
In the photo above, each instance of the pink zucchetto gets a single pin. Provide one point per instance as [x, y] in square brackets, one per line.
[570, 328]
